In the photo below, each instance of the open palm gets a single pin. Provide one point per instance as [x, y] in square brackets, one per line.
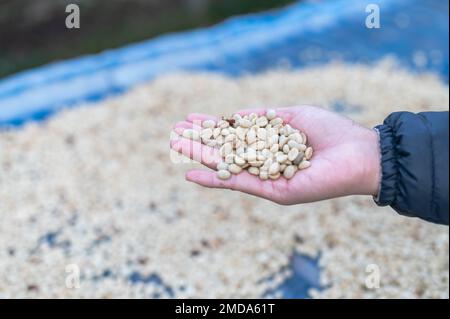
[345, 160]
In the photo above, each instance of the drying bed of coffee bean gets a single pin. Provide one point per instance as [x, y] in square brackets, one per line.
[92, 194]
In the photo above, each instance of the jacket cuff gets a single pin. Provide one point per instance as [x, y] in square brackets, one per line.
[389, 168]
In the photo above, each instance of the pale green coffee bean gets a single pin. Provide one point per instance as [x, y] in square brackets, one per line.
[207, 133]
[210, 143]
[274, 148]
[274, 168]
[252, 147]
[235, 169]
[295, 137]
[281, 158]
[239, 160]
[208, 124]
[237, 117]
[304, 164]
[273, 139]
[308, 153]
[268, 162]
[220, 140]
[256, 163]
[276, 121]
[266, 153]
[264, 175]
[284, 131]
[240, 150]
[239, 144]
[229, 158]
[260, 145]
[216, 132]
[250, 155]
[304, 138]
[223, 174]
[253, 170]
[187, 133]
[279, 153]
[274, 176]
[288, 129]
[223, 124]
[271, 114]
[246, 123]
[261, 133]
[293, 144]
[222, 166]
[299, 158]
[241, 133]
[262, 121]
[260, 157]
[289, 171]
[282, 140]
[272, 131]
[230, 138]
[251, 136]
[292, 155]
[225, 149]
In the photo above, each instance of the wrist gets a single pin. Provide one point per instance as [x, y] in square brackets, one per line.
[372, 171]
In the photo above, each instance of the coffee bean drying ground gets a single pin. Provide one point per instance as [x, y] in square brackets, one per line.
[94, 187]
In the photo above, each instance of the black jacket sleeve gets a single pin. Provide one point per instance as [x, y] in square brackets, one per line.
[414, 165]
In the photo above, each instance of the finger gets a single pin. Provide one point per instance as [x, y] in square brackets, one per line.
[283, 113]
[291, 112]
[200, 117]
[179, 127]
[208, 156]
[243, 182]
[183, 124]
[259, 111]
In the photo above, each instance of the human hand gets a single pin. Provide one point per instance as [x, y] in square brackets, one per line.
[346, 159]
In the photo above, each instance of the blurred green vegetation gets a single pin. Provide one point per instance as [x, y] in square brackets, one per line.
[33, 33]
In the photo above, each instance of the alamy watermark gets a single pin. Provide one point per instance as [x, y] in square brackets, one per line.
[373, 277]
[195, 150]
[373, 17]
[73, 276]
[73, 17]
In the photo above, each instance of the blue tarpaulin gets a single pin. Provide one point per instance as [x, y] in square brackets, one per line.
[302, 34]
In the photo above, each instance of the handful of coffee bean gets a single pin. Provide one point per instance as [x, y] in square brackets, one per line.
[263, 145]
